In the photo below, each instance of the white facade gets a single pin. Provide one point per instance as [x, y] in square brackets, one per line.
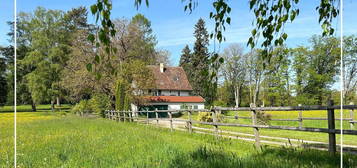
[175, 106]
[179, 106]
[169, 93]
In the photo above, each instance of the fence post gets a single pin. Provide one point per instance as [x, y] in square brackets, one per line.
[331, 127]
[171, 126]
[300, 117]
[147, 117]
[189, 121]
[131, 116]
[255, 129]
[157, 117]
[117, 116]
[124, 116]
[352, 117]
[214, 115]
[236, 116]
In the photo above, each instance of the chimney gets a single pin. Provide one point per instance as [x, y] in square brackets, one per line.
[162, 67]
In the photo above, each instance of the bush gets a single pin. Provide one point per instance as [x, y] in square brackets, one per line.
[207, 117]
[263, 118]
[97, 105]
[219, 103]
[80, 107]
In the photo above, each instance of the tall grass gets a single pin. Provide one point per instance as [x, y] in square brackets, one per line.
[70, 141]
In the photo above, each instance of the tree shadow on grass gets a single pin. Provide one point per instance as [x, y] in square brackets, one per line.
[283, 157]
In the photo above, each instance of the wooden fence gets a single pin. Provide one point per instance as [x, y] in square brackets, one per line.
[125, 116]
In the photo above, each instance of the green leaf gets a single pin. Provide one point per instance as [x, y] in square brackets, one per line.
[292, 16]
[91, 37]
[89, 67]
[100, 6]
[97, 59]
[93, 9]
[254, 32]
[221, 60]
[285, 36]
[228, 20]
[252, 3]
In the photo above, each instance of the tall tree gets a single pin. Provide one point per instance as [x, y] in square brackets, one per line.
[234, 70]
[135, 48]
[256, 74]
[316, 68]
[3, 73]
[322, 67]
[185, 61]
[299, 65]
[200, 60]
[350, 67]
[49, 36]
[276, 84]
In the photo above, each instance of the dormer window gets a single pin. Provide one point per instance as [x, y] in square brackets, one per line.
[176, 78]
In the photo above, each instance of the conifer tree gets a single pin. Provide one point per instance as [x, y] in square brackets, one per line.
[200, 60]
[185, 61]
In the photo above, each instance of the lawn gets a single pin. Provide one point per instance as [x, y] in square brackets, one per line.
[64, 140]
[321, 137]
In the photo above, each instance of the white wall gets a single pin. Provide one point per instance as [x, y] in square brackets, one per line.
[177, 106]
[189, 105]
[174, 106]
[173, 93]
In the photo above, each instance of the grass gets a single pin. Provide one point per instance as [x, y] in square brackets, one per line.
[39, 108]
[52, 140]
[321, 137]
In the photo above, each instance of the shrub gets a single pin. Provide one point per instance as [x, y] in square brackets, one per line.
[263, 118]
[219, 103]
[207, 117]
[97, 105]
[80, 107]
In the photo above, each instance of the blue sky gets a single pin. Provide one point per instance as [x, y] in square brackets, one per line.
[174, 27]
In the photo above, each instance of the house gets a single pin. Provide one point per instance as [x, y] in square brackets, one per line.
[171, 91]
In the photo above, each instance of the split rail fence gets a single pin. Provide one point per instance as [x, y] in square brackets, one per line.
[131, 116]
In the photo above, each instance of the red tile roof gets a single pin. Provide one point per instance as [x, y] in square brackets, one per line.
[176, 99]
[173, 78]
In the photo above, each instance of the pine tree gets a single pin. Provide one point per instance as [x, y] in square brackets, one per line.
[200, 60]
[185, 61]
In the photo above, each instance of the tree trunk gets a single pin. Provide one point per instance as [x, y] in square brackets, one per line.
[33, 106]
[58, 102]
[236, 95]
[53, 106]
[256, 94]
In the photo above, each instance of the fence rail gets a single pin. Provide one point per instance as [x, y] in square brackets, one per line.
[134, 116]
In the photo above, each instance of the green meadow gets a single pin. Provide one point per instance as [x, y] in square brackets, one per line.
[320, 137]
[62, 139]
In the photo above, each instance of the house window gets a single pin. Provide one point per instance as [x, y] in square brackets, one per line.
[159, 94]
[178, 93]
[184, 107]
[195, 107]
